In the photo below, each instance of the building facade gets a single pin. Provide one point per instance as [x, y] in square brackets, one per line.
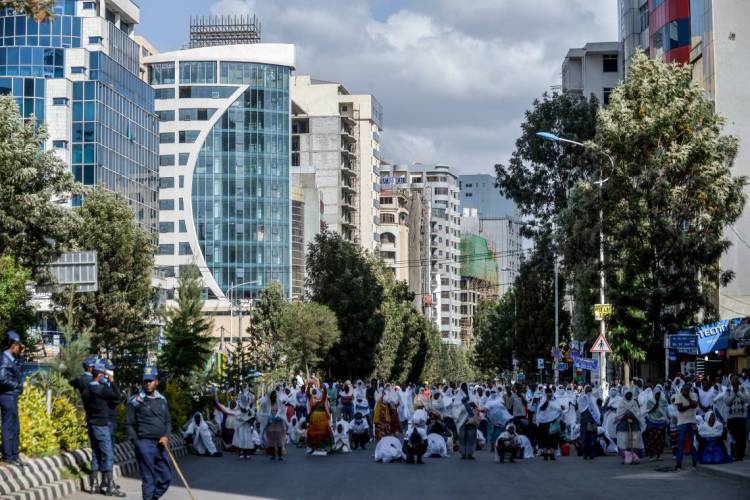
[479, 280]
[338, 134]
[79, 76]
[659, 27]
[306, 193]
[596, 69]
[224, 165]
[395, 231]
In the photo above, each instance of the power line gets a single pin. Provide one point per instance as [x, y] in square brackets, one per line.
[739, 236]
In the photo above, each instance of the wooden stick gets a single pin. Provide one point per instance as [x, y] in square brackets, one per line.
[179, 473]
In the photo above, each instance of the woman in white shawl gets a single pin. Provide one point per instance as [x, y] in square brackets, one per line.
[610, 410]
[274, 430]
[246, 439]
[656, 416]
[627, 420]
[200, 434]
[547, 419]
[711, 446]
[590, 420]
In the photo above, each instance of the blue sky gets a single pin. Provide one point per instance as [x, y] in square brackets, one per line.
[454, 77]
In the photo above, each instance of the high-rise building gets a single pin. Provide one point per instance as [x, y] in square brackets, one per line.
[596, 69]
[395, 230]
[79, 76]
[224, 165]
[434, 261]
[338, 134]
[711, 36]
[479, 277]
[486, 213]
[307, 194]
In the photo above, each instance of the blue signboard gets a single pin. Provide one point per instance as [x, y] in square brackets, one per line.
[714, 336]
[589, 364]
[684, 342]
[562, 367]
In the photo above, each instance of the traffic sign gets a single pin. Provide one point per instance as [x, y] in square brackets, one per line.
[587, 364]
[540, 363]
[602, 311]
[562, 367]
[601, 345]
[683, 342]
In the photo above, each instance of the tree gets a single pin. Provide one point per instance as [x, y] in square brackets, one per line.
[341, 277]
[308, 330]
[534, 334]
[16, 312]
[494, 321]
[263, 343]
[40, 10]
[187, 331]
[669, 197]
[76, 346]
[541, 173]
[34, 222]
[120, 313]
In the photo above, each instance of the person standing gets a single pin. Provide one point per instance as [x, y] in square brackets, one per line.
[11, 386]
[82, 381]
[686, 402]
[590, 420]
[737, 400]
[96, 400]
[548, 418]
[656, 415]
[148, 426]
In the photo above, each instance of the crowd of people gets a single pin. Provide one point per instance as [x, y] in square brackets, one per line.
[705, 418]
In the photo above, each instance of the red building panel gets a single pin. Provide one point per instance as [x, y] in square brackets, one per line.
[668, 11]
[679, 55]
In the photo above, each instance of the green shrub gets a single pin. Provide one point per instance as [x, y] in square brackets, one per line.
[70, 425]
[38, 436]
[180, 404]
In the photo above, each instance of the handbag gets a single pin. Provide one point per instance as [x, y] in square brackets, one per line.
[554, 429]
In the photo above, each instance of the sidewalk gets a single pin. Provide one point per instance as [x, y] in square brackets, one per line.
[738, 471]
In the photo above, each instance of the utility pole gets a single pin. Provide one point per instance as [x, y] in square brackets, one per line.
[557, 326]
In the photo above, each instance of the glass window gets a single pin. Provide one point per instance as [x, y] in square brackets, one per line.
[609, 63]
[198, 72]
[60, 144]
[206, 92]
[166, 227]
[166, 182]
[182, 226]
[166, 204]
[166, 160]
[166, 138]
[184, 159]
[164, 93]
[59, 101]
[185, 248]
[89, 5]
[95, 40]
[162, 74]
[167, 249]
[196, 114]
[607, 93]
[77, 70]
[188, 136]
[165, 116]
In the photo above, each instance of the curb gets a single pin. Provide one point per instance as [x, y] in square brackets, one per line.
[721, 471]
[42, 479]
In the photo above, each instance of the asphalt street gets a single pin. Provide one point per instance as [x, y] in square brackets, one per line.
[357, 476]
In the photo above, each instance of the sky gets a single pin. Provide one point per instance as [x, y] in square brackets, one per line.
[454, 81]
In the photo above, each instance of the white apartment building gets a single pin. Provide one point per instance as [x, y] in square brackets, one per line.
[338, 134]
[596, 69]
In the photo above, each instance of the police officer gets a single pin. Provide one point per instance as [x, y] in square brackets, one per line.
[11, 386]
[97, 397]
[109, 379]
[148, 426]
[79, 383]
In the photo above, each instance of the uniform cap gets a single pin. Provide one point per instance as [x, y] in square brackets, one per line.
[150, 373]
[12, 336]
[109, 365]
[100, 366]
[89, 362]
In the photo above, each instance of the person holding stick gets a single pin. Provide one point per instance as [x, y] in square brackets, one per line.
[148, 426]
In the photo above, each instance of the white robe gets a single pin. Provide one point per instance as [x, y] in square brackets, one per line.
[389, 449]
[525, 445]
[202, 438]
[436, 446]
[246, 437]
[341, 437]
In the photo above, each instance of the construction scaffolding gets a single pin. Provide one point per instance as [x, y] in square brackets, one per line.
[209, 31]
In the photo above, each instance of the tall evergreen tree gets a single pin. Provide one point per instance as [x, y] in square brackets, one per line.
[341, 277]
[16, 312]
[263, 342]
[187, 331]
[308, 330]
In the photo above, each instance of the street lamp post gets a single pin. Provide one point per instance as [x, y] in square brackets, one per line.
[230, 293]
[602, 324]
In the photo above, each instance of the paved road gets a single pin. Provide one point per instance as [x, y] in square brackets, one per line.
[355, 476]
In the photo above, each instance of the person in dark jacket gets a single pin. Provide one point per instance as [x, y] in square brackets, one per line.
[11, 386]
[148, 426]
[82, 381]
[97, 398]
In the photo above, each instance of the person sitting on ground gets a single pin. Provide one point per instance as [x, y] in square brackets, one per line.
[507, 442]
[388, 450]
[200, 437]
[341, 437]
[711, 446]
[360, 432]
[415, 440]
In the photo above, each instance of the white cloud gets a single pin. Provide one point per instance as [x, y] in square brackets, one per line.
[454, 81]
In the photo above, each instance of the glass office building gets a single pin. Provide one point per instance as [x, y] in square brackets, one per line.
[78, 74]
[224, 165]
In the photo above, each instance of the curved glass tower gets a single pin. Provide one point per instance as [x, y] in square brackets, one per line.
[224, 164]
[78, 74]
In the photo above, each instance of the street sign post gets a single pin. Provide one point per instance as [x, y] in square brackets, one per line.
[601, 345]
[562, 366]
[602, 311]
[540, 363]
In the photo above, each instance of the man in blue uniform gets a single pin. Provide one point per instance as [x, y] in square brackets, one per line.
[11, 386]
[148, 426]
